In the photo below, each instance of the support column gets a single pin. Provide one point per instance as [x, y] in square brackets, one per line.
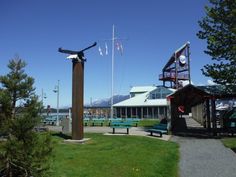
[142, 112]
[176, 73]
[77, 100]
[188, 53]
[173, 114]
[115, 111]
[213, 116]
[131, 112]
[136, 112]
[208, 115]
[125, 112]
[153, 113]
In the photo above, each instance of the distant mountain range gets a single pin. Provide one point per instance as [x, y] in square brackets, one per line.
[107, 101]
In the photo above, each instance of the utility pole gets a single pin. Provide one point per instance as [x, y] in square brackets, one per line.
[57, 90]
[43, 96]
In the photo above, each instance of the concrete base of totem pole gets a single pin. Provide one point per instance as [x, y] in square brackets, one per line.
[84, 140]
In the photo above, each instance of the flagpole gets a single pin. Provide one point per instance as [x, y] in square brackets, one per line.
[112, 68]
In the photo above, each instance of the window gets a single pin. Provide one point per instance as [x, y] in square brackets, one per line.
[159, 93]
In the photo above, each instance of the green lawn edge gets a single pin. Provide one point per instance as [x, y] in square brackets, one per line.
[229, 142]
[116, 156]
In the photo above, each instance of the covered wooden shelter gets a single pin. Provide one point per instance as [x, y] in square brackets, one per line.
[190, 96]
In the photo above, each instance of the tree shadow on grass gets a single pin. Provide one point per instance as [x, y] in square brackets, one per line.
[62, 135]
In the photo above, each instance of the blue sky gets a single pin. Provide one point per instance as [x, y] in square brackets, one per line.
[153, 30]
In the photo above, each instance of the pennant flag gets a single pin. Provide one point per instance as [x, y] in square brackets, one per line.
[100, 51]
[121, 49]
[106, 49]
[118, 46]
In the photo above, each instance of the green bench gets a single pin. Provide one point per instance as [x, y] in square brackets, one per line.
[120, 124]
[98, 121]
[50, 120]
[159, 129]
[134, 121]
[113, 120]
[86, 121]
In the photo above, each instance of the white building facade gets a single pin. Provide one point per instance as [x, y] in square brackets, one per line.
[144, 102]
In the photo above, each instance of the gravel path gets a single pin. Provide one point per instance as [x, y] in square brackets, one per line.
[205, 158]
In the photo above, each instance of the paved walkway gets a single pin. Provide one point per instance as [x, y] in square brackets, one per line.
[205, 158]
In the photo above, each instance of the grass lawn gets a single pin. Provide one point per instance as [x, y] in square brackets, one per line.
[116, 156]
[148, 122]
[229, 142]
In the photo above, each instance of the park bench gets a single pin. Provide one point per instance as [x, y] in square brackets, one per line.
[120, 124]
[159, 129]
[50, 120]
[98, 121]
[112, 120]
[86, 121]
[41, 129]
[134, 121]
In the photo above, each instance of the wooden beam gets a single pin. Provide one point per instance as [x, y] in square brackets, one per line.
[208, 115]
[77, 100]
[213, 116]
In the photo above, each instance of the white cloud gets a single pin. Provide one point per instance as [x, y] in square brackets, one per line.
[210, 82]
[186, 83]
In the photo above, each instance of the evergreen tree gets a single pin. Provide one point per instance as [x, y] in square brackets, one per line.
[26, 152]
[219, 29]
[17, 84]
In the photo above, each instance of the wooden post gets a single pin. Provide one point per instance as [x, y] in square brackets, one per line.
[163, 76]
[142, 112]
[208, 115]
[172, 114]
[213, 116]
[188, 53]
[77, 100]
[131, 112]
[153, 113]
[77, 90]
[176, 74]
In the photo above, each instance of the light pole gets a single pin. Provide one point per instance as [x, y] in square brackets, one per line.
[43, 97]
[57, 90]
